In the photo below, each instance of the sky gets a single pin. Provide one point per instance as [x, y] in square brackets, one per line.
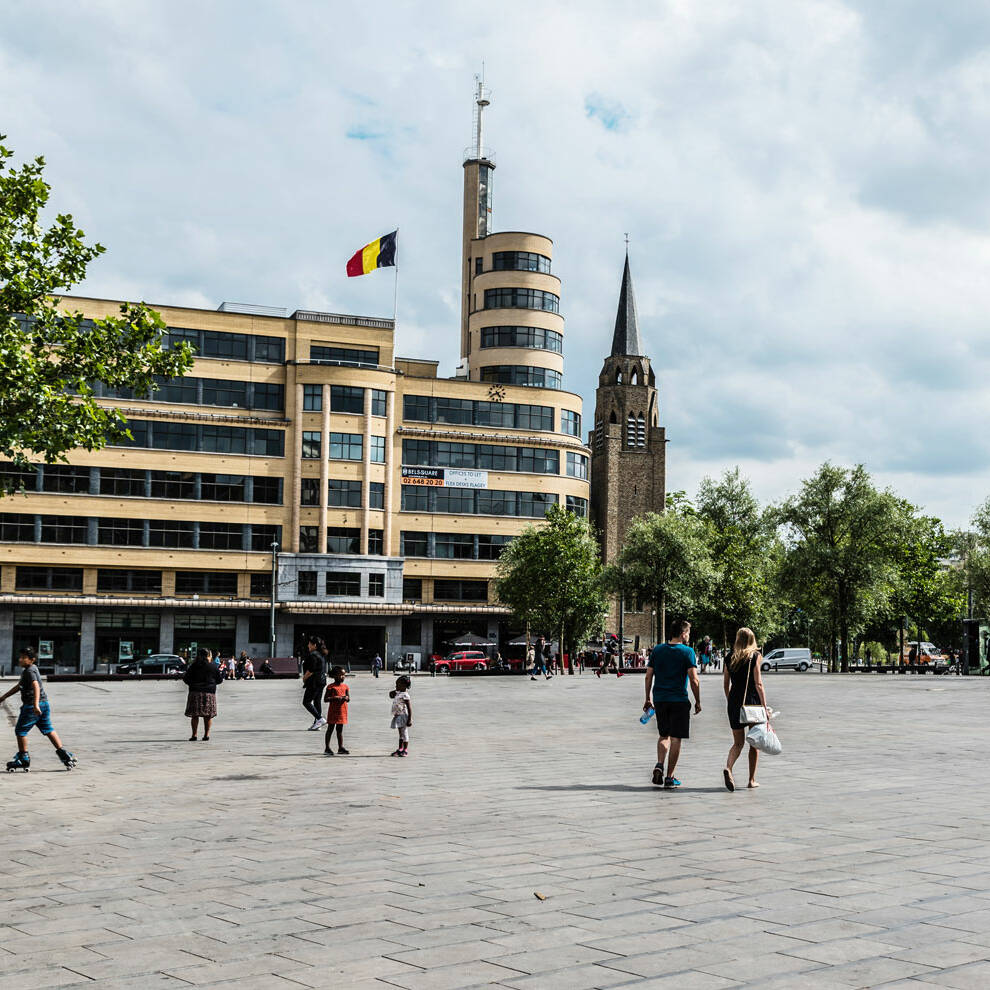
[803, 182]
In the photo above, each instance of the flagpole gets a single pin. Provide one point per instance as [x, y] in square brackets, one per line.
[395, 283]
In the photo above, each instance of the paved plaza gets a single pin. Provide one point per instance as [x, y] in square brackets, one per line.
[520, 845]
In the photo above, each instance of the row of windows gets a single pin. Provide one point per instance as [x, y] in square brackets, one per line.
[340, 539]
[135, 483]
[485, 502]
[453, 546]
[468, 412]
[342, 494]
[514, 298]
[21, 527]
[136, 581]
[343, 355]
[520, 261]
[206, 392]
[444, 590]
[343, 447]
[442, 453]
[205, 438]
[230, 346]
[535, 338]
[341, 583]
[521, 374]
[343, 399]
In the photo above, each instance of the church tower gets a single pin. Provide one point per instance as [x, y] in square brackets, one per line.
[628, 462]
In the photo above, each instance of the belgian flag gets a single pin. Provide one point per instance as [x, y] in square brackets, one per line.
[377, 254]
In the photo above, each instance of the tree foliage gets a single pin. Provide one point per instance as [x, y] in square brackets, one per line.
[50, 358]
[550, 576]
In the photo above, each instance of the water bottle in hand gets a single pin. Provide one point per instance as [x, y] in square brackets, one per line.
[646, 716]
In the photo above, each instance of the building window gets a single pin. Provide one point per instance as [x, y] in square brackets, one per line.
[309, 539]
[221, 536]
[267, 491]
[515, 298]
[309, 491]
[417, 451]
[577, 505]
[415, 498]
[122, 482]
[513, 374]
[534, 418]
[259, 629]
[376, 585]
[312, 398]
[269, 349]
[520, 261]
[65, 478]
[262, 537]
[205, 583]
[460, 591]
[412, 630]
[346, 399]
[534, 338]
[261, 587]
[454, 546]
[460, 501]
[64, 529]
[456, 411]
[344, 583]
[312, 443]
[16, 479]
[378, 402]
[158, 435]
[487, 457]
[49, 579]
[222, 487]
[119, 579]
[120, 532]
[570, 422]
[17, 527]
[307, 583]
[346, 446]
[376, 541]
[343, 539]
[218, 392]
[170, 533]
[344, 494]
[490, 546]
[224, 345]
[412, 591]
[173, 484]
[534, 505]
[342, 355]
[577, 465]
[376, 495]
[265, 395]
[414, 544]
[416, 408]
[378, 450]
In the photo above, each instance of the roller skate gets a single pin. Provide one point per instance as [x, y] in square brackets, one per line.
[22, 761]
[67, 758]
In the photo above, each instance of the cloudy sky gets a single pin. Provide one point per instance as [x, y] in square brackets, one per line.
[804, 183]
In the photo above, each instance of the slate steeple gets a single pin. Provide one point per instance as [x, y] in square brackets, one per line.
[625, 339]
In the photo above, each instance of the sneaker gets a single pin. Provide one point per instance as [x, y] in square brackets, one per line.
[397, 752]
[670, 783]
[314, 726]
[658, 775]
[344, 752]
[320, 722]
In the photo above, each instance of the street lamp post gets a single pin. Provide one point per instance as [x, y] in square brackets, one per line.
[271, 613]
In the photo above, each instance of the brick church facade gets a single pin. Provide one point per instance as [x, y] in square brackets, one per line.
[628, 462]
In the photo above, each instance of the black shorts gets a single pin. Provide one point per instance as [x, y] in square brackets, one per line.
[674, 719]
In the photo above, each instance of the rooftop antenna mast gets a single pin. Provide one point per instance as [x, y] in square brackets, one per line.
[482, 99]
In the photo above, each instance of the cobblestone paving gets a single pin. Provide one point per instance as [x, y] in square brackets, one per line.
[254, 861]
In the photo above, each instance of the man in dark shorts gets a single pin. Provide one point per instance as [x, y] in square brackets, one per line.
[671, 667]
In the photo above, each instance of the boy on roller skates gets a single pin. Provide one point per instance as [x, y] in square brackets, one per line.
[35, 711]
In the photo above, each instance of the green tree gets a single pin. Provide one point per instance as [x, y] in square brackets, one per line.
[50, 359]
[841, 537]
[666, 561]
[550, 576]
[745, 552]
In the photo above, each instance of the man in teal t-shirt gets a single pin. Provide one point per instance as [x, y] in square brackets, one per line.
[672, 666]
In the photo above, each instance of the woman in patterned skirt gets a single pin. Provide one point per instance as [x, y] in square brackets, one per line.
[202, 676]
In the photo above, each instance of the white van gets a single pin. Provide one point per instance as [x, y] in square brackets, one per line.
[786, 659]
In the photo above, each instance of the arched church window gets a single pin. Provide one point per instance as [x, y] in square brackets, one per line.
[618, 376]
[634, 378]
[652, 379]
[613, 418]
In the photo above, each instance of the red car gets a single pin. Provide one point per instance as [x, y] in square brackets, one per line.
[461, 660]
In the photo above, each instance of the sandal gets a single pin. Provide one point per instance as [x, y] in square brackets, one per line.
[730, 784]
[397, 752]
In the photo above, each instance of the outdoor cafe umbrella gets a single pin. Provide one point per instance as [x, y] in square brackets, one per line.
[469, 639]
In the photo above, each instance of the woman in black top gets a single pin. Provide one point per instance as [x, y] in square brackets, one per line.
[743, 685]
[202, 676]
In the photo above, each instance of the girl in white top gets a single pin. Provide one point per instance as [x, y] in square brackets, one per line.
[402, 713]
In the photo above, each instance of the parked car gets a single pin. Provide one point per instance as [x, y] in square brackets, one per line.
[787, 659]
[461, 660]
[157, 663]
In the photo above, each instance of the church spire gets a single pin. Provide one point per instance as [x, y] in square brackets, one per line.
[625, 339]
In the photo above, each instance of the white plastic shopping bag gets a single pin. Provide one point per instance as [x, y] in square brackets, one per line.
[763, 738]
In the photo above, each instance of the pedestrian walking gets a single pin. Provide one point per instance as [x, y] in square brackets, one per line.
[376, 665]
[705, 653]
[540, 660]
[743, 685]
[402, 713]
[314, 681]
[548, 661]
[248, 669]
[202, 676]
[672, 667]
[35, 712]
[337, 696]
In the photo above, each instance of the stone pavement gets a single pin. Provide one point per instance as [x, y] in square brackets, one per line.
[255, 861]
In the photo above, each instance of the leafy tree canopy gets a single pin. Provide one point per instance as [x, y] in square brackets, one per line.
[49, 358]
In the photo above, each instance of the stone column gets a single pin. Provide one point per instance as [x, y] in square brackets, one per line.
[87, 641]
[240, 633]
[324, 468]
[166, 631]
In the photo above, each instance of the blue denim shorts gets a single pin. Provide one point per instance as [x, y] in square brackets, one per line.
[29, 718]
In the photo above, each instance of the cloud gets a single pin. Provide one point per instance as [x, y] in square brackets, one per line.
[802, 181]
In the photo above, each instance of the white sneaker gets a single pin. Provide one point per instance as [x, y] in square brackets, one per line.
[316, 724]
[320, 722]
